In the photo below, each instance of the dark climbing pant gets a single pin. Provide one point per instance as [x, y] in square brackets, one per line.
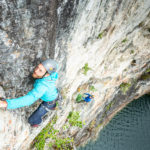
[36, 117]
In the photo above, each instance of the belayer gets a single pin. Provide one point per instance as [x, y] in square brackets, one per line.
[86, 97]
[44, 89]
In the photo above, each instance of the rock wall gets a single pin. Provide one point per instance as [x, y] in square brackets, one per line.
[27, 36]
[100, 44]
[112, 37]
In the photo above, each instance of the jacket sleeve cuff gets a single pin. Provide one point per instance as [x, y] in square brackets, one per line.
[7, 101]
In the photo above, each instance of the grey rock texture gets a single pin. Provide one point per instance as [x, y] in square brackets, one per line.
[111, 36]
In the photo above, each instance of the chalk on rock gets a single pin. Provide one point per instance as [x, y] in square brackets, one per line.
[2, 92]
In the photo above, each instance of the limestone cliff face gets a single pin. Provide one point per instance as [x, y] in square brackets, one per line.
[110, 37]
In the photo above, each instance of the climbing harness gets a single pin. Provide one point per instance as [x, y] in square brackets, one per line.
[57, 101]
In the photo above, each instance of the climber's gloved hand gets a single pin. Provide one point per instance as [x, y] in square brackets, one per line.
[3, 102]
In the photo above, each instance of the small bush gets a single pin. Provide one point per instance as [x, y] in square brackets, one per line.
[86, 69]
[124, 40]
[92, 88]
[79, 98]
[56, 142]
[100, 35]
[73, 119]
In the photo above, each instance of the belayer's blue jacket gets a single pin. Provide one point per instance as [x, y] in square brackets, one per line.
[44, 89]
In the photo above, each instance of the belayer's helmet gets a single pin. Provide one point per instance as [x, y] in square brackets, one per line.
[50, 65]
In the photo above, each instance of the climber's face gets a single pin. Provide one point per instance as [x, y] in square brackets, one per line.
[39, 71]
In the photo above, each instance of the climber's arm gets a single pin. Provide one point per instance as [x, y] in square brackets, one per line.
[28, 99]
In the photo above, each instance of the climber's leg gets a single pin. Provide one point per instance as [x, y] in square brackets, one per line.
[36, 117]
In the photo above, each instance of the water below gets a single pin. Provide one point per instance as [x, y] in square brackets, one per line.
[128, 130]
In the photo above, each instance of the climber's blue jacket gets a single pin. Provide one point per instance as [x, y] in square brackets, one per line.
[43, 88]
[88, 98]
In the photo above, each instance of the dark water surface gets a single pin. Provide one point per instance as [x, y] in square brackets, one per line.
[128, 130]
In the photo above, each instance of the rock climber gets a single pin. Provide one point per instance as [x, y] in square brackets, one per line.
[44, 89]
[88, 97]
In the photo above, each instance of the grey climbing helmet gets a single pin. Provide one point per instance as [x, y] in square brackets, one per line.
[50, 65]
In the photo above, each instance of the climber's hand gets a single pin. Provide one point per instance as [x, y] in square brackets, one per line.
[3, 104]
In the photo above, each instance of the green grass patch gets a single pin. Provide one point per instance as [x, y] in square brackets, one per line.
[56, 142]
[62, 144]
[92, 88]
[124, 40]
[85, 69]
[99, 125]
[108, 106]
[100, 35]
[73, 119]
[124, 87]
[79, 98]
